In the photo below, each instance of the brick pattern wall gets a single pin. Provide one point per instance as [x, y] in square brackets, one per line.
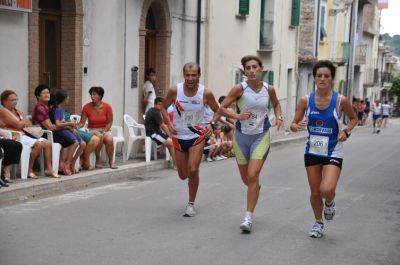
[307, 29]
[71, 52]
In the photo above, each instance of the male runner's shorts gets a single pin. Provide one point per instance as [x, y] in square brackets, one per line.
[376, 116]
[159, 138]
[312, 160]
[385, 116]
[184, 145]
[248, 147]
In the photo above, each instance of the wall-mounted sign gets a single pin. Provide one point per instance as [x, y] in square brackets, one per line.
[16, 5]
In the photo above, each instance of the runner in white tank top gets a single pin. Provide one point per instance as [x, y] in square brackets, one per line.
[188, 128]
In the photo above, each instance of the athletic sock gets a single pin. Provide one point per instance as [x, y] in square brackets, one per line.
[249, 216]
[328, 203]
[320, 221]
[191, 203]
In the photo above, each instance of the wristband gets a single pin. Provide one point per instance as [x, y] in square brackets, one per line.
[347, 133]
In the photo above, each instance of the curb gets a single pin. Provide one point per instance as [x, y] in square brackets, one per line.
[45, 187]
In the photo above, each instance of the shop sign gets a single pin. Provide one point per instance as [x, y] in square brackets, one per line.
[16, 5]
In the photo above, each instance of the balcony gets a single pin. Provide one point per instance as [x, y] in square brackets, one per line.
[386, 79]
[340, 52]
[266, 35]
[361, 53]
[371, 77]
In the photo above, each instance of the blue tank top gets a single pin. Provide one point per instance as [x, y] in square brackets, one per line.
[323, 128]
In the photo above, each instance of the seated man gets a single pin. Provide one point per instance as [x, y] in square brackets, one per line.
[155, 127]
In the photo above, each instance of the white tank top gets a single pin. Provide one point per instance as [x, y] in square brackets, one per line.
[377, 109]
[189, 113]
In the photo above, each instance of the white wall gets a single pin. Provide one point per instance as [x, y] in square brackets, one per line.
[14, 55]
[103, 54]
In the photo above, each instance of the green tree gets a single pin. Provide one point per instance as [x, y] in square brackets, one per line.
[395, 90]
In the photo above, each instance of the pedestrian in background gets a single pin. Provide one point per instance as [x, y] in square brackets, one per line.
[149, 93]
[323, 157]
[252, 135]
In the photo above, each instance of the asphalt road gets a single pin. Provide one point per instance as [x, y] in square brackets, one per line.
[140, 222]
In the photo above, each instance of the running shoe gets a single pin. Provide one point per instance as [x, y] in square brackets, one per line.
[209, 159]
[329, 211]
[223, 157]
[189, 212]
[378, 131]
[217, 158]
[246, 225]
[316, 230]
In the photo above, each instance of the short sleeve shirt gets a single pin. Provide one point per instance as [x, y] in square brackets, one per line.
[97, 120]
[148, 87]
[40, 113]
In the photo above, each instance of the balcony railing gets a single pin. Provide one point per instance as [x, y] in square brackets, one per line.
[361, 53]
[371, 77]
[266, 34]
[386, 78]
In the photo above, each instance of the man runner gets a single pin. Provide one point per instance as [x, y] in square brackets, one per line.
[188, 127]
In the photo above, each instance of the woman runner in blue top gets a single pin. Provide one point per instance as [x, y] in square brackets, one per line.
[324, 148]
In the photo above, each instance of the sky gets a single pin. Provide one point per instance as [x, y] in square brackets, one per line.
[390, 18]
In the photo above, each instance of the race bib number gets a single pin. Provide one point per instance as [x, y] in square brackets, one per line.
[255, 123]
[319, 145]
[190, 118]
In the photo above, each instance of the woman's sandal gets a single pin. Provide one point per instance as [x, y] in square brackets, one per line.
[32, 175]
[63, 168]
[52, 174]
[87, 167]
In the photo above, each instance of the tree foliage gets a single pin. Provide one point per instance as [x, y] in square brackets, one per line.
[395, 90]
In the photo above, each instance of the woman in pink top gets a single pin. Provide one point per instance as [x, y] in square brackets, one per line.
[100, 119]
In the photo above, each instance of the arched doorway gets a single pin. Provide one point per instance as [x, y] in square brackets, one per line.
[55, 48]
[155, 45]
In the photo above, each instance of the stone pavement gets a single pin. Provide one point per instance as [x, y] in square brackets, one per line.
[134, 169]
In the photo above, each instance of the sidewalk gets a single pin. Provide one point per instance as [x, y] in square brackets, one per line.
[134, 169]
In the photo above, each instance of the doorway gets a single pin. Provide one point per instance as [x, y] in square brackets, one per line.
[50, 43]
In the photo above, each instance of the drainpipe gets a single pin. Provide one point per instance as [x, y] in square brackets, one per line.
[124, 75]
[198, 31]
[318, 31]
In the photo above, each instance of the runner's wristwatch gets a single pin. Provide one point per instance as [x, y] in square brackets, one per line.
[347, 133]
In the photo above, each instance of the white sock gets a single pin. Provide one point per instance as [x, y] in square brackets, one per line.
[249, 216]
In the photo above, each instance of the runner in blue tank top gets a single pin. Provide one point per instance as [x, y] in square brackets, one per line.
[252, 139]
[324, 148]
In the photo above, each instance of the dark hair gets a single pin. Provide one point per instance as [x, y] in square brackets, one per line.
[190, 66]
[221, 98]
[150, 71]
[5, 94]
[39, 89]
[386, 102]
[247, 58]
[226, 128]
[60, 96]
[324, 63]
[98, 90]
[158, 100]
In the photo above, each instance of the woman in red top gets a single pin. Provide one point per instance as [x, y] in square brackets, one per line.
[100, 119]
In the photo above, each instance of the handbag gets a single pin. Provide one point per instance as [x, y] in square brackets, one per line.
[34, 131]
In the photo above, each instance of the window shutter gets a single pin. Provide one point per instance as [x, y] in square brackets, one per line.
[271, 77]
[295, 20]
[244, 6]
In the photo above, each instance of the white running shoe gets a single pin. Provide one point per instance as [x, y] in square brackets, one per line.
[246, 225]
[209, 159]
[329, 211]
[316, 230]
[189, 212]
[223, 157]
[217, 158]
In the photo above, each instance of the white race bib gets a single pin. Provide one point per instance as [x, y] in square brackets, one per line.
[190, 118]
[319, 145]
[255, 123]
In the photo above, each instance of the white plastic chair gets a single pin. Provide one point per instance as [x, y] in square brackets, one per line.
[55, 150]
[118, 138]
[25, 154]
[132, 126]
[150, 144]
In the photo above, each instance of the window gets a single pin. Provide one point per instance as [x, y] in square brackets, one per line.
[244, 7]
[295, 19]
[322, 22]
[267, 24]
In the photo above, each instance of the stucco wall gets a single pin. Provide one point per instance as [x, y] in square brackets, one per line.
[14, 55]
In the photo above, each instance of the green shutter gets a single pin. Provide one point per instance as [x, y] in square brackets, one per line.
[262, 16]
[295, 20]
[322, 31]
[271, 77]
[244, 6]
